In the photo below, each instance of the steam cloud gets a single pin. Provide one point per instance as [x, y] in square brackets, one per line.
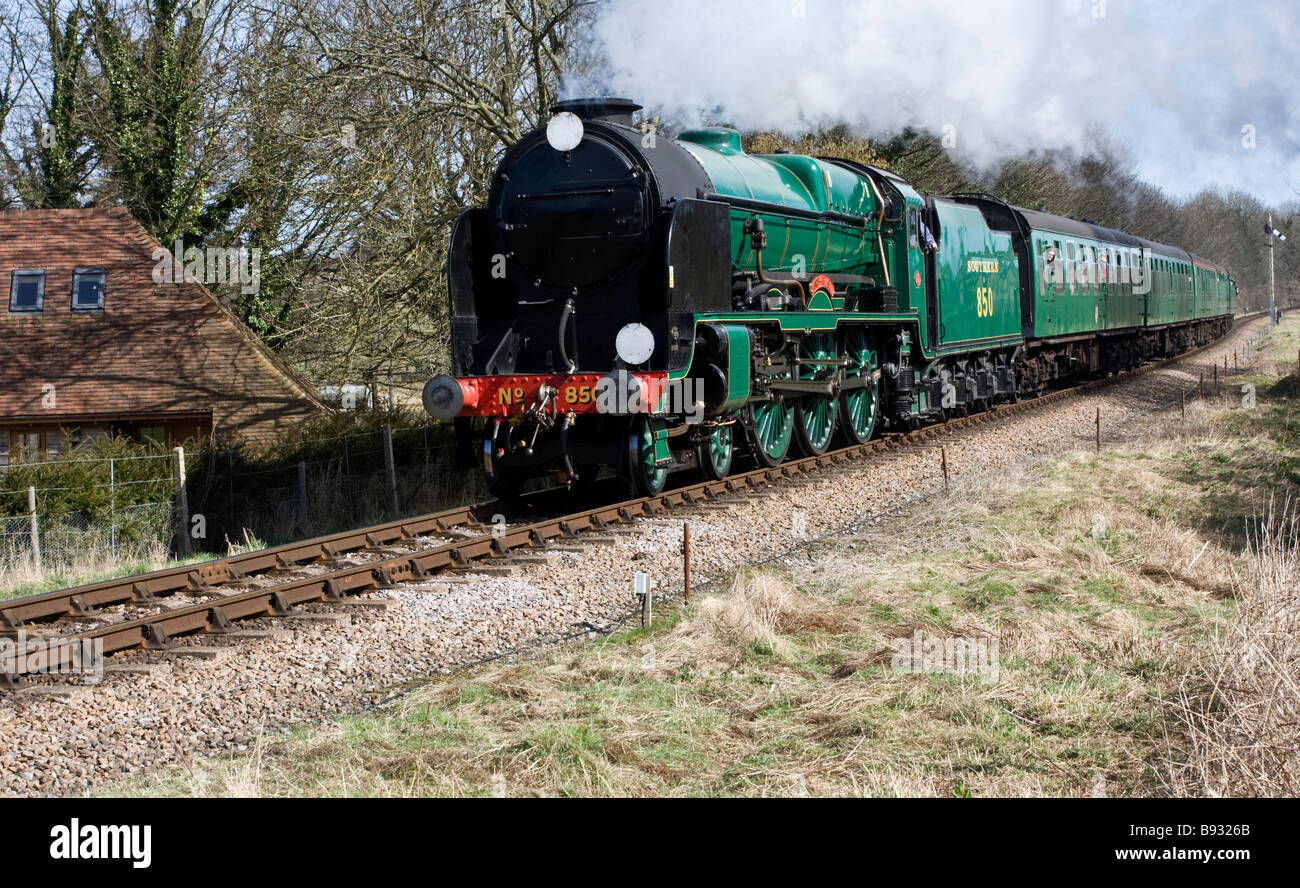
[1175, 80]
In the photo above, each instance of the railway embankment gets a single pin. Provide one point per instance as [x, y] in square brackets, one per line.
[1063, 620]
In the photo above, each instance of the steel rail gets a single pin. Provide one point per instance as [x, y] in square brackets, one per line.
[199, 577]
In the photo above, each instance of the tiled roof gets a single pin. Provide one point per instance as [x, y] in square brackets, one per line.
[155, 347]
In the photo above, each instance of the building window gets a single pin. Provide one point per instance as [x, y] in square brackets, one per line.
[27, 291]
[88, 289]
[157, 434]
[26, 446]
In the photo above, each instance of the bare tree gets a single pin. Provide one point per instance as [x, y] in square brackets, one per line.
[378, 122]
[14, 79]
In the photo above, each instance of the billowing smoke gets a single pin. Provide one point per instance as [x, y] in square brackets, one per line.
[1205, 94]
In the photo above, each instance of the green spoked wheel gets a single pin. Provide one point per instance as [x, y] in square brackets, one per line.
[815, 416]
[773, 429]
[859, 407]
[716, 452]
[641, 473]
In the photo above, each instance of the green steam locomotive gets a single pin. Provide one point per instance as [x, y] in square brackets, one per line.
[658, 305]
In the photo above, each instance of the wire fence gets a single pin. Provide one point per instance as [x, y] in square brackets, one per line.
[86, 514]
[33, 545]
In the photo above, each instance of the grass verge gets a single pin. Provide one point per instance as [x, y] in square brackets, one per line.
[1120, 623]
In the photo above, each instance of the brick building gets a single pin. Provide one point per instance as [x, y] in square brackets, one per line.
[91, 344]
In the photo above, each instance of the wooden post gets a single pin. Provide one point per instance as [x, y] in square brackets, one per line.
[230, 487]
[686, 561]
[112, 507]
[1099, 430]
[302, 494]
[1235, 367]
[1202, 385]
[183, 547]
[1216, 379]
[35, 529]
[943, 461]
[390, 467]
[1184, 394]
[347, 458]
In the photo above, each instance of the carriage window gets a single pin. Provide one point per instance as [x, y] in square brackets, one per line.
[911, 227]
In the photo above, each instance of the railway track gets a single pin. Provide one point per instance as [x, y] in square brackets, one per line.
[152, 610]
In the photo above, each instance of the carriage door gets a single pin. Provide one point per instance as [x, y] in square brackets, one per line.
[922, 257]
[1110, 313]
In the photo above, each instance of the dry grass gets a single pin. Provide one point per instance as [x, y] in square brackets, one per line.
[1239, 707]
[24, 578]
[1143, 601]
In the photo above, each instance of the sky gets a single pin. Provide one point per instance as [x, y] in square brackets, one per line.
[1202, 94]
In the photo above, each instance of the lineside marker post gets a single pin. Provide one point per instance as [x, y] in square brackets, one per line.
[390, 467]
[1202, 385]
[35, 529]
[686, 561]
[1216, 378]
[182, 503]
[641, 584]
[943, 457]
[1099, 430]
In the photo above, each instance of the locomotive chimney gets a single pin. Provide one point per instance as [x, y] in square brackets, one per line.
[608, 109]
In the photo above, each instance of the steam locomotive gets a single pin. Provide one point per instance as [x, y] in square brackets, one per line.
[657, 304]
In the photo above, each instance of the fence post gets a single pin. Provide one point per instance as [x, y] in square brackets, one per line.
[390, 467]
[35, 528]
[182, 503]
[230, 487]
[112, 507]
[302, 494]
